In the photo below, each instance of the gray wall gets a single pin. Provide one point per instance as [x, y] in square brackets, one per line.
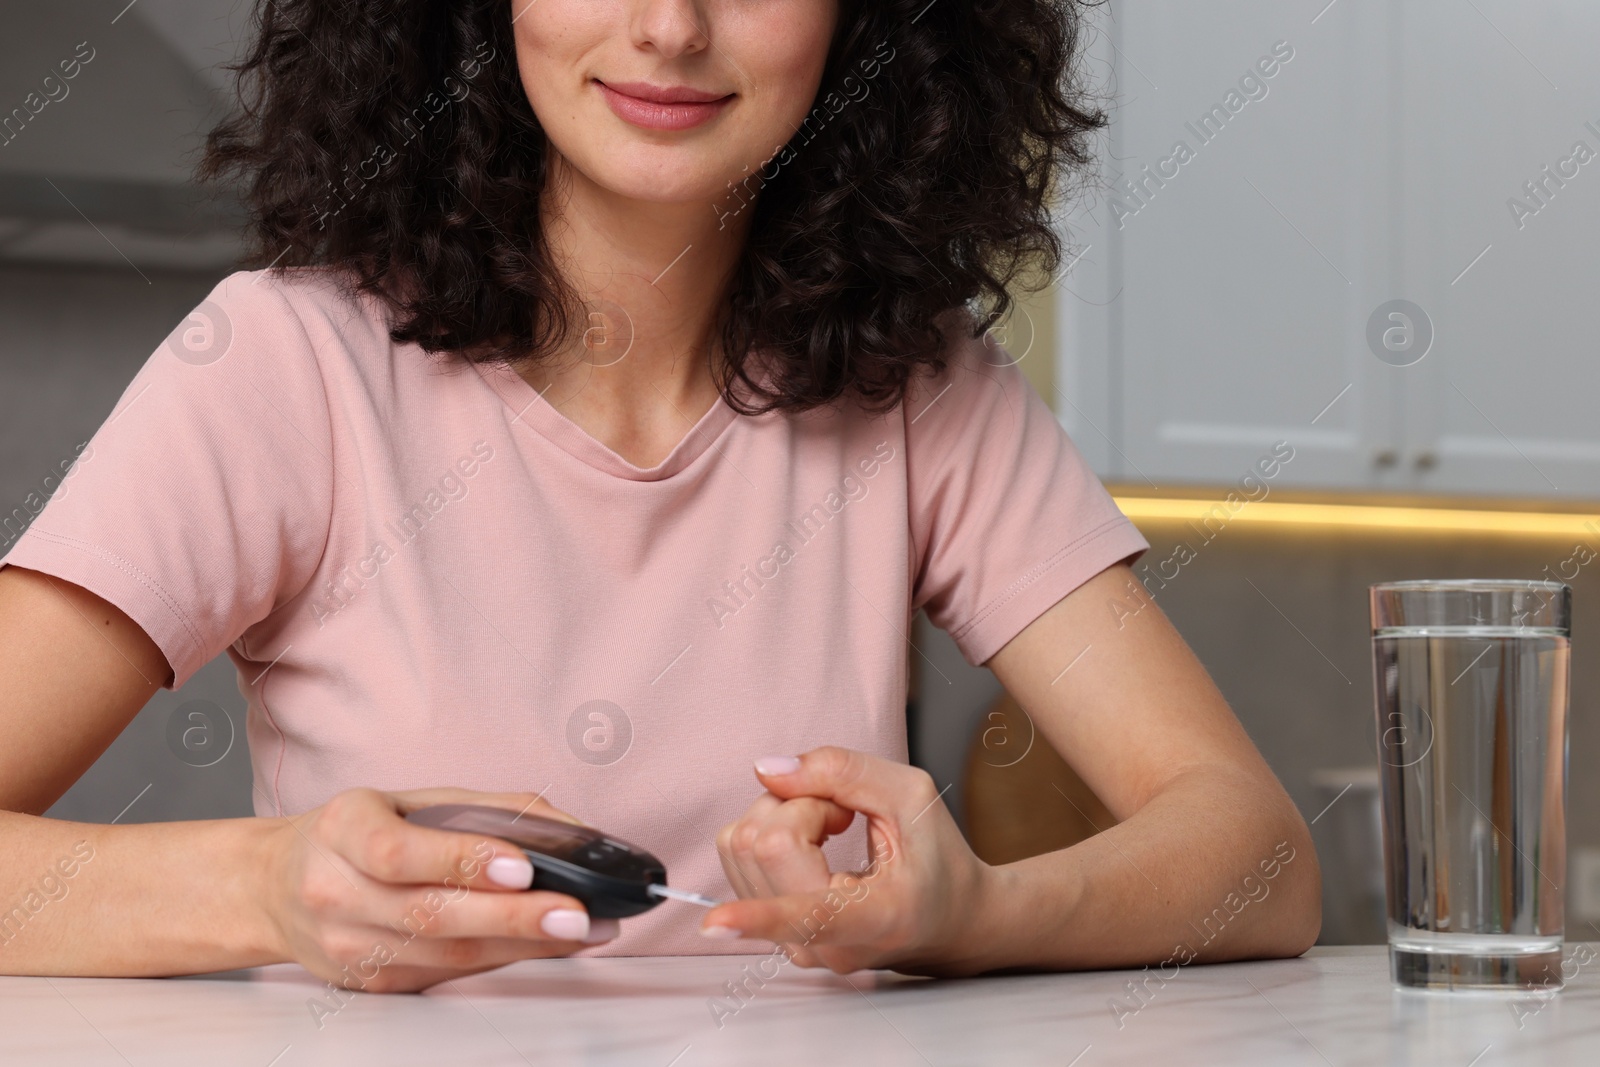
[70, 341]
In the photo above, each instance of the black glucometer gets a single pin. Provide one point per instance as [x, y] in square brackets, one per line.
[612, 878]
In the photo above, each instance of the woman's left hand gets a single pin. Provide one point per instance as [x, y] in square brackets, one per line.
[919, 906]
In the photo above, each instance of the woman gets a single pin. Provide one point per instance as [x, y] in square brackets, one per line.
[616, 394]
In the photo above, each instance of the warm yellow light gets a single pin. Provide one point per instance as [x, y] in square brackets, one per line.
[1372, 516]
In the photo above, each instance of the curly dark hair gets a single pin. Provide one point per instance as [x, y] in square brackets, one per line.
[929, 191]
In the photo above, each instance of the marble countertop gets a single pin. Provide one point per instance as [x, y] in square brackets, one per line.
[1333, 1006]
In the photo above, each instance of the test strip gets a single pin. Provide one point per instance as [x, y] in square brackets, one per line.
[686, 897]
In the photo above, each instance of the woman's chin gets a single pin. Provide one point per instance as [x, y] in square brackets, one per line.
[697, 189]
[684, 174]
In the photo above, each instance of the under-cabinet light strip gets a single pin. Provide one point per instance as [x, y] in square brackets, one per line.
[1369, 516]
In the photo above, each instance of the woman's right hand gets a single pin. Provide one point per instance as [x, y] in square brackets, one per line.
[366, 900]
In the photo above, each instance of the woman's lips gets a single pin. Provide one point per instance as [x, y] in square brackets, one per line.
[655, 114]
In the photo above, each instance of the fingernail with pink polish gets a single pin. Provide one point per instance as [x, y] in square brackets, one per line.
[720, 933]
[774, 766]
[565, 924]
[513, 872]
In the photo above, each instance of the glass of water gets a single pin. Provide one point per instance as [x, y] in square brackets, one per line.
[1471, 680]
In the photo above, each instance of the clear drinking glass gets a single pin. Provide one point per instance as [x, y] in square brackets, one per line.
[1471, 680]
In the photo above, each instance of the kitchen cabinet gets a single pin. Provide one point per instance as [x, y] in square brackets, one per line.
[1274, 182]
[1493, 124]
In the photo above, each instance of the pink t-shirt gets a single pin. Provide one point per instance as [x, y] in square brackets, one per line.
[428, 576]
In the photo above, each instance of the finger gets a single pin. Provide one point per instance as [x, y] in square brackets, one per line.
[536, 915]
[406, 978]
[735, 843]
[742, 883]
[458, 955]
[855, 780]
[364, 827]
[523, 803]
[787, 846]
[839, 916]
[393, 978]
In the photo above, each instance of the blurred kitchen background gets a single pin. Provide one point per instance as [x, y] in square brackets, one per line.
[1361, 230]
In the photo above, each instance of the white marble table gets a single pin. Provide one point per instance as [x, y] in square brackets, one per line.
[1333, 1006]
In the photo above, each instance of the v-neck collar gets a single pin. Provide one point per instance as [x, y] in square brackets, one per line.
[529, 407]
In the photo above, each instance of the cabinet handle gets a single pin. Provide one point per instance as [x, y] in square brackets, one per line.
[1427, 460]
[1386, 457]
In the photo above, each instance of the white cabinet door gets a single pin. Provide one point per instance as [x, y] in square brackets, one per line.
[1501, 108]
[1250, 249]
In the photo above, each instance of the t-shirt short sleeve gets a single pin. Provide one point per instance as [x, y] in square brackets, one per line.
[1006, 516]
[203, 501]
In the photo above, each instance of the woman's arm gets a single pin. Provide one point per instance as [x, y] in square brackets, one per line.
[1202, 820]
[141, 899]
[1209, 859]
[354, 892]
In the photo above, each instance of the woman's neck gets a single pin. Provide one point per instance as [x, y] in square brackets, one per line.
[653, 277]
